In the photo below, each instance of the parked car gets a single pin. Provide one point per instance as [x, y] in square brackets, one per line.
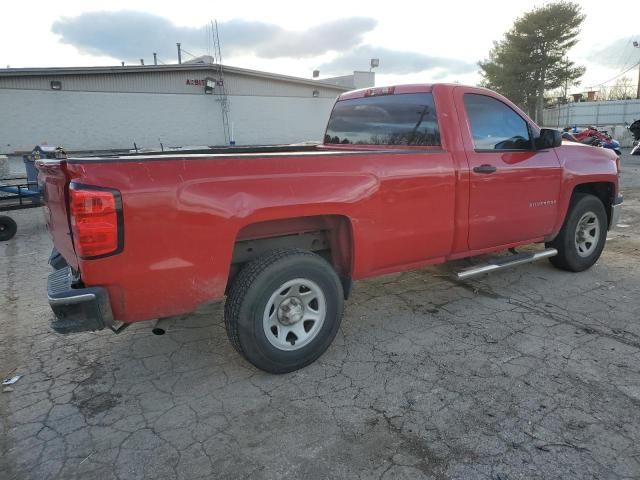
[407, 176]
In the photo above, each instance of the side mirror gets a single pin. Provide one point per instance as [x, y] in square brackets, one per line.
[548, 138]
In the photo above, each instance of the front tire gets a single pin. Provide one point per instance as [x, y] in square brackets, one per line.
[583, 235]
[284, 310]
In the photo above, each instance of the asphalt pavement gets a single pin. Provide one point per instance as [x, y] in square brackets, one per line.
[528, 373]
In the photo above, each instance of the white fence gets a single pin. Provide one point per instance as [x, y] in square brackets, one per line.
[613, 116]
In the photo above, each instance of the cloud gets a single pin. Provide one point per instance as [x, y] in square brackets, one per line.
[336, 35]
[129, 35]
[394, 62]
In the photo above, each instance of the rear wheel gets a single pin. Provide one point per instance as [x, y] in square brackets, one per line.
[284, 309]
[8, 228]
[583, 235]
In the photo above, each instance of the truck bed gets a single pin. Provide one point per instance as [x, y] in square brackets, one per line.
[183, 213]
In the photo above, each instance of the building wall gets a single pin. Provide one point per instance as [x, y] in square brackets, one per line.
[105, 120]
[114, 110]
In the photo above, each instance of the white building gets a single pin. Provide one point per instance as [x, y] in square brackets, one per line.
[111, 108]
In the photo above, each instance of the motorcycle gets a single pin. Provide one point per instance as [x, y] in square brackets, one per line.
[635, 131]
[592, 136]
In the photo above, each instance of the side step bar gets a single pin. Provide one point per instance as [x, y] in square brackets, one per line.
[506, 262]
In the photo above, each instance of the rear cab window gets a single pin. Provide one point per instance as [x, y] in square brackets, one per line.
[399, 119]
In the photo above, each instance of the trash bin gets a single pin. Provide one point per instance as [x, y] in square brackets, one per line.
[38, 152]
[30, 167]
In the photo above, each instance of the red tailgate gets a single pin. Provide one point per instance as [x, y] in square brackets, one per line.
[53, 181]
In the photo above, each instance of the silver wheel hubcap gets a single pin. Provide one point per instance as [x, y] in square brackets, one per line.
[587, 234]
[294, 314]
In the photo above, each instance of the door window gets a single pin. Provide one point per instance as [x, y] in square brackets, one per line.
[494, 125]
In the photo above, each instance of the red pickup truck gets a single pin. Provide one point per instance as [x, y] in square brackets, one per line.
[407, 176]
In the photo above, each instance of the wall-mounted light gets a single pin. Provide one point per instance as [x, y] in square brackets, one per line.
[56, 85]
[316, 93]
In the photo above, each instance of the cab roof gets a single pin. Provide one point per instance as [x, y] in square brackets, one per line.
[394, 89]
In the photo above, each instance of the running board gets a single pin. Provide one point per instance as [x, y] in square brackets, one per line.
[506, 262]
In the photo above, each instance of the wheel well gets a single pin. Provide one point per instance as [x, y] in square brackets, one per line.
[330, 236]
[603, 190]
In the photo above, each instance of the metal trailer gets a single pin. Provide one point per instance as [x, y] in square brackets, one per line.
[16, 193]
[20, 192]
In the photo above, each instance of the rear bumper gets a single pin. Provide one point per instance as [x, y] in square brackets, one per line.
[616, 208]
[77, 309]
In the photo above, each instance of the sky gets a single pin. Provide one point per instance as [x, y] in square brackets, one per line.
[415, 41]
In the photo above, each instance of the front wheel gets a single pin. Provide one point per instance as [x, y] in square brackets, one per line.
[284, 309]
[583, 234]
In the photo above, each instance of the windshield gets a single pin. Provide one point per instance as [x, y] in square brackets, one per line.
[403, 119]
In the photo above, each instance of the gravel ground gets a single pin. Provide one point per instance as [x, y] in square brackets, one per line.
[530, 373]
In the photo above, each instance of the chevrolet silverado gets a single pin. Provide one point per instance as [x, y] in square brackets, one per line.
[406, 176]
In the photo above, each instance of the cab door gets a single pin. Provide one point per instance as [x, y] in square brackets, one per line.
[514, 189]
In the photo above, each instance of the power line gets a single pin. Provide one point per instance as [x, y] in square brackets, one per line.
[208, 41]
[617, 76]
[619, 64]
[628, 59]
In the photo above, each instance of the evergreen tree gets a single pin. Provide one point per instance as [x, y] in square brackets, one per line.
[531, 58]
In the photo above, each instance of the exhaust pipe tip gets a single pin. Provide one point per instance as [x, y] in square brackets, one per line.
[160, 326]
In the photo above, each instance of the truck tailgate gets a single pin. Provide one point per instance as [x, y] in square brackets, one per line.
[52, 179]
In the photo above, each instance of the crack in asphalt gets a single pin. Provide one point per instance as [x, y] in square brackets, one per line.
[560, 315]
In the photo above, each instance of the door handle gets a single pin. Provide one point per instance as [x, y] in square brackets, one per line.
[485, 168]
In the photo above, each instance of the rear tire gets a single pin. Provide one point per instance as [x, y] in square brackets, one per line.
[8, 228]
[284, 310]
[583, 234]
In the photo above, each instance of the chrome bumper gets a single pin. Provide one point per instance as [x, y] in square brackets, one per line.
[616, 208]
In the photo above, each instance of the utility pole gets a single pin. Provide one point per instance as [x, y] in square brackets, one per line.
[637, 45]
[566, 77]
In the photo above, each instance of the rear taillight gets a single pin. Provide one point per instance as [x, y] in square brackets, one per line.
[96, 220]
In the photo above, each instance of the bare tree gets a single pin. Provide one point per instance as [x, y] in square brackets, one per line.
[623, 89]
